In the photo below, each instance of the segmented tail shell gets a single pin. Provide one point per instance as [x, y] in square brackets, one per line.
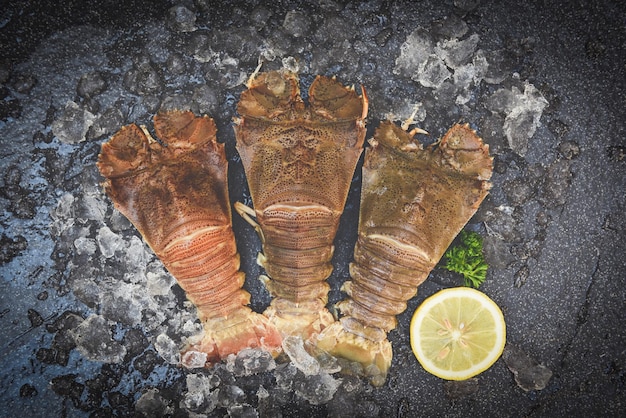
[299, 161]
[414, 202]
[177, 197]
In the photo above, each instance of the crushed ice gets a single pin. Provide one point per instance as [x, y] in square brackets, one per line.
[453, 68]
[294, 348]
[522, 110]
[94, 340]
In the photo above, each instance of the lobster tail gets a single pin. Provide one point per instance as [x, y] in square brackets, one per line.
[176, 196]
[299, 160]
[414, 201]
[297, 250]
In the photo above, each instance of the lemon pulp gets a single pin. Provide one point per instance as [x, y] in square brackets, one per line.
[457, 333]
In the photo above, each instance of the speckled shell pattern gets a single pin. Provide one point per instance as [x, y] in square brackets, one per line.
[175, 193]
[299, 161]
[176, 196]
[414, 202]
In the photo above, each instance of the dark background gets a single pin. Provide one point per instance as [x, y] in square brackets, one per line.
[554, 221]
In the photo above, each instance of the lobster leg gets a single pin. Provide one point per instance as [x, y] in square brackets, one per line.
[177, 197]
[299, 160]
[414, 202]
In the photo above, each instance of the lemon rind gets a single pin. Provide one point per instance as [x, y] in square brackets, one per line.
[488, 361]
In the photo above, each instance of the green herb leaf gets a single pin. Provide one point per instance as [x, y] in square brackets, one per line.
[467, 259]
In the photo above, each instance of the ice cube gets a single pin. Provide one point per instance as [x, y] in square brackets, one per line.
[159, 283]
[231, 395]
[92, 207]
[482, 66]
[251, 361]
[413, 52]
[109, 241]
[62, 215]
[523, 112]
[262, 393]
[328, 363]
[136, 258]
[191, 327]
[294, 348]
[456, 53]
[296, 23]
[464, 76]
[181, 19]
[72, 125]
[201, 396]
[432, 72]
[316, 389]
[291, 64]
[194, 359]
[120, 302]
[167, 349]
[65, 207]
[152, 404]
[499, 66]
[285, 375]
[85, 245]
[528, 373]
[94, 340]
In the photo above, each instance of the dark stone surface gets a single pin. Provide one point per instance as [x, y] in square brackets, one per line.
[554, 224]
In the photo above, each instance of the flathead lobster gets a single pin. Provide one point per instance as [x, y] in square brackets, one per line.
[414, 201]
[177, 197]
[299, 161]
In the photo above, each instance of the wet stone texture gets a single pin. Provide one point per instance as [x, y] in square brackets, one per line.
[91, 323]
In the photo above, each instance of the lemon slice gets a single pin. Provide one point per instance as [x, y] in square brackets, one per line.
[457, 333]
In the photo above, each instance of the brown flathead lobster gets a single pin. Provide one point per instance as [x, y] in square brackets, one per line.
[299, 161]
[177, 197]
[414, 201]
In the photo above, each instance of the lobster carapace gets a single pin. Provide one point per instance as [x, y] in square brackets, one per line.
[414, 201]
[299, 160]
[175, 193]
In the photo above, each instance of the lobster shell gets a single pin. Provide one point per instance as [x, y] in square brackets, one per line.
[414, 201]
[176, 196]
[299, 161]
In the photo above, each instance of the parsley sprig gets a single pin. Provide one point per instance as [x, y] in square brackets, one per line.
[467, 259]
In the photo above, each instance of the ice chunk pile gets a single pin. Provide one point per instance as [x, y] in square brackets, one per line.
[294, 348]
[115, 270]
[522, 112]
[72, 126]
[433, 63]
[94, 340]
[250, 361]
[448, 62]
[201, 396]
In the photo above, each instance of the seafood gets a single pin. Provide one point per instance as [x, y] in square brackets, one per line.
[176, 196]
[299, 161]
[414, 201]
